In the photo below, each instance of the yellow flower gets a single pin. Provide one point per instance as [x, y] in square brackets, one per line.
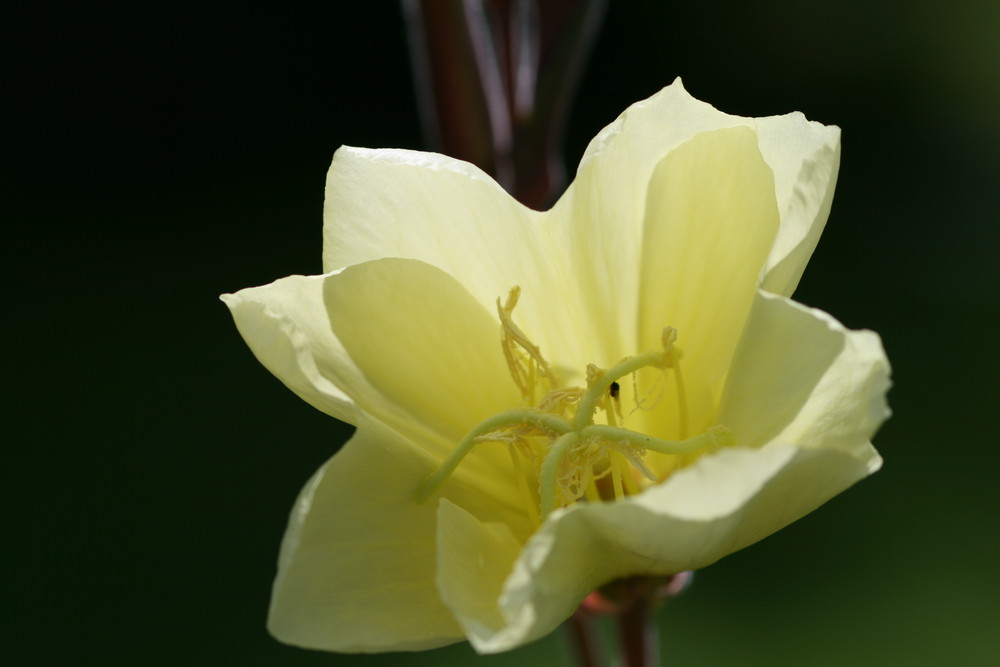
[547, 401]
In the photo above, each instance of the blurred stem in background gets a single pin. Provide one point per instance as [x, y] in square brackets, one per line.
[632, 603]
[495, 79]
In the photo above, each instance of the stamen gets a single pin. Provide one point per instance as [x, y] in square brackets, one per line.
[616, 475]
[609, 410]
[531, 499]
[682, 402]
[634, 456]
[648, 402]
[511, 337]
[602, 384]
[631, 485]
[558, 401]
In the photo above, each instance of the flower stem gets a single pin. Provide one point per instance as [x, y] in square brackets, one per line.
[586, 641]
[632, 603]
[637, 632]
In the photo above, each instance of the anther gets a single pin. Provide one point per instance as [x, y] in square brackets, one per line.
[550, 466]
[511, 337]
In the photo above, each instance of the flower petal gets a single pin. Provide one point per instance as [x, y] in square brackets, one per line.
[451, 215]
[805, 157]
[356, 570]
[606, 203]
[709, 223]
[422, 356]
[720, 504]
[426, 206]
[357, 566]
[474, 559]
[614, 177]
[286, 327]
[800, 377]
[432, 355]
[417, 335]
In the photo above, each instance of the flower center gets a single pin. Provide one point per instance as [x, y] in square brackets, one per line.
[560, 456]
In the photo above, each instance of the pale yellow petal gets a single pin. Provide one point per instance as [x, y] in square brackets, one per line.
[286, 326]
[356, 570]
[722, 503]
[847, 406]
[474, 559]
[709, 223]
[607, 200]
[805, 157]
[423, 356]
[419, 337]
[358, 562]
[605, 207]
[426, 206]
[431, 353]
[800, 377]
[448, 213]
[785, 350]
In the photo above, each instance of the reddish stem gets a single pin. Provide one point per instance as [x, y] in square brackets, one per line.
[633, 603]
[582, 627]
[494, 83]
[637, 631]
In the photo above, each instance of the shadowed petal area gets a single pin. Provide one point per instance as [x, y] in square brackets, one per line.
[799, 376]
[432, 353]
[474, 559]
[710, 220]
[783, 354]
[357, 566]
[720, 504]
[419, 337]
[848, 404]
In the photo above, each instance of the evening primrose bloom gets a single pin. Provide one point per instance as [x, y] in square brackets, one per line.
[549, 401]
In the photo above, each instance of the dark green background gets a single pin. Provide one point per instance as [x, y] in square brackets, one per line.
[160, 156]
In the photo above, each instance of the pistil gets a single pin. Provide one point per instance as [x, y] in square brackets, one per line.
[608, 435]
[523, 417]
